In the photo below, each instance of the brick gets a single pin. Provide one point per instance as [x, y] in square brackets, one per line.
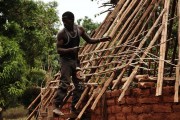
[97, 117]
[131, 100]
[173, 116]
[145, 117]
[158, 116]
[111, 117]
[110, 102]
[128, 92]
[99, 104]
[109, 110]
[116, 93]
[142, 109]
[168, 99]
[176, 107]
[137, 109]
[93, 116]
[121, 102]
[145, 92]
[153, 91]
[117, 109]
[113, 109]
[120, 116]
[168, 90]
[132, 117]
[149, 99]
[136, 92]
[108, 94]
[161, 108]
[127, 109]
[97, 111]
[145, 85]
[141, 92]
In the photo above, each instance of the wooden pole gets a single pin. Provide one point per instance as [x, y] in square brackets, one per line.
[139, 47]
[85, 107]
[127, 83]
[176, 98]
[162, 49]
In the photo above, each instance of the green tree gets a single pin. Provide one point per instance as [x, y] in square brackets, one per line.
[12, 67]
[88, 24]
[27, 50]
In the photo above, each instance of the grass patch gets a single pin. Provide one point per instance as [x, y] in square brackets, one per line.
[14, 113]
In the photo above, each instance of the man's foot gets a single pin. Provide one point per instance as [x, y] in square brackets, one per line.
[57, 112]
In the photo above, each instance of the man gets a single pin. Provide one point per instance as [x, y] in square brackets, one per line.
[68, 40]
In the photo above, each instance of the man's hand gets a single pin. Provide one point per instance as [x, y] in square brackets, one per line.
[77, 47]
[104, 39]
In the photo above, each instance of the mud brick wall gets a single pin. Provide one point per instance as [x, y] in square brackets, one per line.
[138, 104]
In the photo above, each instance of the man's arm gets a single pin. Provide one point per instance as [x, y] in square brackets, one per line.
[86, 37]
[59, 44]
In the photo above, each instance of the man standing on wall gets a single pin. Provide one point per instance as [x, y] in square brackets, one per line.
[68, 40]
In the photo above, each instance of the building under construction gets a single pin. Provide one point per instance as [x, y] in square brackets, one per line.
[136, 76]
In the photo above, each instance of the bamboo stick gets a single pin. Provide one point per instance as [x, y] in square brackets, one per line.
[101, 62]
[89, 47]
[149, 79]
[102, 91]
[127, 83]
[32, 113]
[152, 42]
[48, 99]
[149, 9]
[82, 97]
[85, 107]
[176, 98]
[108, 52]
[126, 33]
[113, 17]
[107, 22]
[32, 103]
[140, 22]
[162, 50]
[121, 6]
[136, 11]
[118, 18]
[140, 46]
[86, 91]
[106, 45]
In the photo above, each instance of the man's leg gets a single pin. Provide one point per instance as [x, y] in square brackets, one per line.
[75, 98]
[64, 84]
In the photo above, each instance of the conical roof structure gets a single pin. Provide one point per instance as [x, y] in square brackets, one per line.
[145, 47]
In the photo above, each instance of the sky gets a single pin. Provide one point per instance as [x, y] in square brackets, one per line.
[81, 8]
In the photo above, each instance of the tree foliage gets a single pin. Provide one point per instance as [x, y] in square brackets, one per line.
[88, 24]
[27, 50]
[27, 46]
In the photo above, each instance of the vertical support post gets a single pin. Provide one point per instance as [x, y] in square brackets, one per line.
[176, 98]
[162, 49]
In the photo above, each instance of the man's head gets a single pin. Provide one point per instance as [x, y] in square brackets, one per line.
[68, 19]
[68, 15]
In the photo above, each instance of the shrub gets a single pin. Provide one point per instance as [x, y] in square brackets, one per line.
[14, 113]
